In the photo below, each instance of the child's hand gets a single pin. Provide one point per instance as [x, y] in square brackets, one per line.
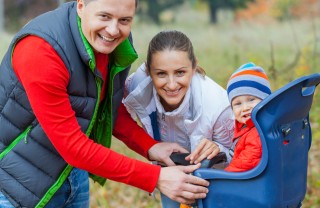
[205, 150]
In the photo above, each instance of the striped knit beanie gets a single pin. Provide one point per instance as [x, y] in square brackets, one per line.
[249, 79]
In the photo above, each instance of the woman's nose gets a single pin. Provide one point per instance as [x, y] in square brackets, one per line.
[171, 83]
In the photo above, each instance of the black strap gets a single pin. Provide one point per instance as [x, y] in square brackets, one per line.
[154, 124]
[231, 150]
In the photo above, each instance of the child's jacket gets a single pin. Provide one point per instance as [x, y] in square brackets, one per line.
[248, 150]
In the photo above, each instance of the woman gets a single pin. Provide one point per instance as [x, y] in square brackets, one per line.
[176, 102]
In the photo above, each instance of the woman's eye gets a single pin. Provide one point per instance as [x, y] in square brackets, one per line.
[161, 74]
[180, 73]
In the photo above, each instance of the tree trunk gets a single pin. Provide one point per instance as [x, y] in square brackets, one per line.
[60, 2]
[213, 9]
[154, 11]
[1, 16]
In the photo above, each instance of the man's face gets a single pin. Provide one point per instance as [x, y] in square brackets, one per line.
[106, 23]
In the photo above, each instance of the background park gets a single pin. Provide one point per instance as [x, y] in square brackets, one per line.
[282, 36]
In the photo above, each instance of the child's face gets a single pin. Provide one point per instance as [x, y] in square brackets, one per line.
[242, 107]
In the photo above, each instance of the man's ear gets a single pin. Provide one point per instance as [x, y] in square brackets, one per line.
[80, 7]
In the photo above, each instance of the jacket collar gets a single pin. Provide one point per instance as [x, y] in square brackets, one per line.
[241, 128]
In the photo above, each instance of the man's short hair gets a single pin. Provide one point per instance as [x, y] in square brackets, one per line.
[87, 2]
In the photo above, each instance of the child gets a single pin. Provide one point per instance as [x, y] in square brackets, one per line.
[246, 87]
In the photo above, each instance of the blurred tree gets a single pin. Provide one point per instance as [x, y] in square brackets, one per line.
[19, 12]
[283, 9]
[155, 7]
[1, 16]
[61, 2]
[215, 5]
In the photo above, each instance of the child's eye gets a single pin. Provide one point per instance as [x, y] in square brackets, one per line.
[252, 99]
[236, 104]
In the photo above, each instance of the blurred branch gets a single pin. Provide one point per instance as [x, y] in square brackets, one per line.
[288, 69]
[316, 39]
[272, 68]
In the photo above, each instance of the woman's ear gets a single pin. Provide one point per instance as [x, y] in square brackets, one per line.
[147, 69]
[194, 70]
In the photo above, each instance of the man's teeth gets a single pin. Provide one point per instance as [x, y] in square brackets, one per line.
[107, 39]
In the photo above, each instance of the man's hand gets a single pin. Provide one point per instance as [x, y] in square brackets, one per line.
[161, 152]
[206, 149]
[176, 183]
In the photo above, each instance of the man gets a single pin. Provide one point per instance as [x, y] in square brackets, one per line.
[61, 87]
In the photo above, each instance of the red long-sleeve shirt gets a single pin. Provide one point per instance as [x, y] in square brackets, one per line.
[45, 79]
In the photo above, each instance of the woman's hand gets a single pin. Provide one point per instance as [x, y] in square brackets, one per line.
[161, 152]
[206, 149]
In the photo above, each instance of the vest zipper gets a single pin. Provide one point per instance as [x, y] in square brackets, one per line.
[26, 134]
[23, 135]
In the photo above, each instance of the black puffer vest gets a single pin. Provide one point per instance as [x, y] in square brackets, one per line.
[31, 170]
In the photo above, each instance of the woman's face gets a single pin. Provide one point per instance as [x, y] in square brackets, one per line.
[171, 72]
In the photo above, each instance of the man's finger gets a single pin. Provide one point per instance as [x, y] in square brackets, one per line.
[191, 179]
[178, 148]
[192, 196]
[169, 162]
[189, 168]
[198, 184]
[183, 200]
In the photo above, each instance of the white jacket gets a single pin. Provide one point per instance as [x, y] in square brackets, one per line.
[204, 113]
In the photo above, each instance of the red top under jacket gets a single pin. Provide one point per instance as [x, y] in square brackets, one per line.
[45, 79]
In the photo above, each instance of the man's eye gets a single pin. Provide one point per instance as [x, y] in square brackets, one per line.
[104, 17]
[125, 21]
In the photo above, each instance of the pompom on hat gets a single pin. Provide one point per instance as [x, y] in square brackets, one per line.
[248, 79]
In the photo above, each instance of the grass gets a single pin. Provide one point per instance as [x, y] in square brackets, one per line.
[220, 50]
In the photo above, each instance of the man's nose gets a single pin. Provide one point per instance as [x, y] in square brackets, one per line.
[113, 28]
